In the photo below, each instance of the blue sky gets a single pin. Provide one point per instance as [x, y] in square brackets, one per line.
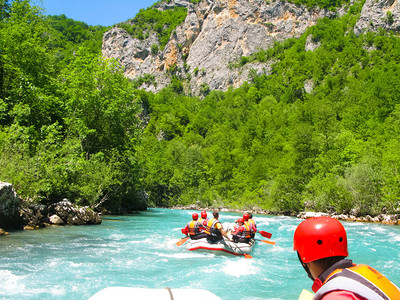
[95, 12]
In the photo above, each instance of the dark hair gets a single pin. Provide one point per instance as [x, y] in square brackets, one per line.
[327, 262]
[215, 213]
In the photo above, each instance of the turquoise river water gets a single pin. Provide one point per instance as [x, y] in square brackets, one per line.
[75, 262]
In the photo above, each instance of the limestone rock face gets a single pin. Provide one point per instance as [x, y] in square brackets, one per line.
[9, 204]
[383, 14]
[215, 34]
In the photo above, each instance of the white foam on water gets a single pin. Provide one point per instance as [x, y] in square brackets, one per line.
[287, 227]
[395, 238]
[10, 283]
[54, 262]
[241, 267]
[134, 242]
[186, 254]
[118, 237]
[58, 291]
[77, 265]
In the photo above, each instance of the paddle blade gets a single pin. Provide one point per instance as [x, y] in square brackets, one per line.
[182, 241]
[247, 255]
[268, 242]
[265, 234]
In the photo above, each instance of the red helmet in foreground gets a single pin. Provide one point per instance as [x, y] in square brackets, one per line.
[204, 214]
[320, 237]
[240, 220]
[195, 216]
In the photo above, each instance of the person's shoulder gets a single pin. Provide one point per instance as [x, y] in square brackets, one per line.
[342, 295]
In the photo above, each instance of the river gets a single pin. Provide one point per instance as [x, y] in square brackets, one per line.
[75, 262]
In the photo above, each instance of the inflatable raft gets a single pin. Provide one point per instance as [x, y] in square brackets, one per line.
[128, 293]
[223, 246]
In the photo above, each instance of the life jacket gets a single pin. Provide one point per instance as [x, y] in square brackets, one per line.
[253, 224]
[211, 230]
[246, 233]
[361, 280]
[201, 222]
[249, 226]
[193, 227]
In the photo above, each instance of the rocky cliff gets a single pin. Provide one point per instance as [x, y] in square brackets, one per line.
[217, 33]
[377, 14]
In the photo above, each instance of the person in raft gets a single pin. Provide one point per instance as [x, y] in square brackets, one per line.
[193, 228]
[242, 232]
[203, 220]
[321, 245]
[214, 229]
[248, 219]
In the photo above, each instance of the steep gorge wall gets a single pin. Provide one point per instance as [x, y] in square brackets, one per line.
[216, 33]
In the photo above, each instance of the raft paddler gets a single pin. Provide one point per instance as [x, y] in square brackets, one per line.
[321, 245]
[193, 228]
[214, 229]
[242, 233]
[248, 217]
[203, 220]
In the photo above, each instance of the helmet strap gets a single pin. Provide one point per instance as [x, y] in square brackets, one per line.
[305, 267]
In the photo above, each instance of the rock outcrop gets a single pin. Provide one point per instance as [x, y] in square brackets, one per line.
[71, 215]
[9, 204]
[17, 214]
[383, 14]
[215, 34]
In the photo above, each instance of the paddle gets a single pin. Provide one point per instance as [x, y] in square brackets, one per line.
[182, 241]
[265, 234]
[245, 254]
[267, 242]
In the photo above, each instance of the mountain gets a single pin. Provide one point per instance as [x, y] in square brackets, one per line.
[215, 35]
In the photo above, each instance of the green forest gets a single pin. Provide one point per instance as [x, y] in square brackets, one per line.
[71, 126]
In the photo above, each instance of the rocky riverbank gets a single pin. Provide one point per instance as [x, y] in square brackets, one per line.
[16, 213]
[389, 219]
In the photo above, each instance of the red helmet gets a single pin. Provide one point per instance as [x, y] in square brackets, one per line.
[320, 237]
[195, 216]
[240, 220]
[204, 214]
[246, 217]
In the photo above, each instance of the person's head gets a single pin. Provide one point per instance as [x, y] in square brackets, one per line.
[320, 242]
[216, 213]
[240, 221]
[204, 214]
[246, 217]
[195, 216]
[250, 215]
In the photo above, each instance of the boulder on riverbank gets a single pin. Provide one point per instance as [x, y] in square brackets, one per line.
[382, 218]
[9, 204]
[71, 215]
[16, 213]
